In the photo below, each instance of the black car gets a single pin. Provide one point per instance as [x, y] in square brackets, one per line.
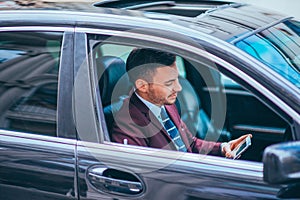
[63, 77]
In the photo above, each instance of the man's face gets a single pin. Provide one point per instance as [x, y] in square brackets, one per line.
[164, 86]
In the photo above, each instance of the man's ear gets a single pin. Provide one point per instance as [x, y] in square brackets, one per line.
[141, 85]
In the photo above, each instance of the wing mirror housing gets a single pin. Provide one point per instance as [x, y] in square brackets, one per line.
[282, 166]
[282, 163]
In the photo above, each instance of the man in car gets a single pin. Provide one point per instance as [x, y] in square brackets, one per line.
[149, 116]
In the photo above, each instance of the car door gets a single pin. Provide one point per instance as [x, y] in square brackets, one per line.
[108, 170]
[37, 159]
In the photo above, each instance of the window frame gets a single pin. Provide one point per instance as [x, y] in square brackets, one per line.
[168, 46]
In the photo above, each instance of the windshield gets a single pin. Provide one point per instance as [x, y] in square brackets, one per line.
[279, 48]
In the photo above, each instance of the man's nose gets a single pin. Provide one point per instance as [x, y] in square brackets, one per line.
[177, 87]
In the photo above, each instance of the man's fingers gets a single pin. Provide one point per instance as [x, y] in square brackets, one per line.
[243, 137]
[227, 151]
[228, 147]
[236, 142]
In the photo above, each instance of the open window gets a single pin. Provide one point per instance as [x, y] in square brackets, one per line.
[214, 104]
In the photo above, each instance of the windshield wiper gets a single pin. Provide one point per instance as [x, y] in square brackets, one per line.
[151, 4]
[258, 30]
[136, 6]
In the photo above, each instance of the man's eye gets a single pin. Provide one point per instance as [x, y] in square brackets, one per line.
[169, 84]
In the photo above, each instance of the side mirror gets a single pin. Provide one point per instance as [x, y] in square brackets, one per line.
[282, 166]
[282, 163]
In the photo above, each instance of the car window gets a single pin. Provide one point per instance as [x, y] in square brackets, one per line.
[277, 47]
[214, 106]
[29, 65]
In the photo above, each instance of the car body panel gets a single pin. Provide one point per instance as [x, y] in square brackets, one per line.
[36, 167]
[165, 175]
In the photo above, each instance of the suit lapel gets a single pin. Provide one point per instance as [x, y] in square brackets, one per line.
[149, 116]
[150, 119]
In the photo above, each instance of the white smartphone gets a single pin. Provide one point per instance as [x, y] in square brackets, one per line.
[242, 147]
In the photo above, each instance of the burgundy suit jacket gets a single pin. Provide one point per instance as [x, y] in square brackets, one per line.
[136, 124]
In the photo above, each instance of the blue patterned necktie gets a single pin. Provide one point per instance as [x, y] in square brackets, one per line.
[172, 131]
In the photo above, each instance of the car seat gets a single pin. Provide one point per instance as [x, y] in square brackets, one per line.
[196, 119]
[114, 85]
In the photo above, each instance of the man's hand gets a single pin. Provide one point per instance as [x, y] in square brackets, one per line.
[228, 147]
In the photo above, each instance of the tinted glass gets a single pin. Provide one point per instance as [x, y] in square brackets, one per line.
[29, 63]
[279, 48]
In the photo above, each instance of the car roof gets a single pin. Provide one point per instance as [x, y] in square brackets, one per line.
[222, 19]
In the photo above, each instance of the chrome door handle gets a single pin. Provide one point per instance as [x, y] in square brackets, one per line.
[101, 180]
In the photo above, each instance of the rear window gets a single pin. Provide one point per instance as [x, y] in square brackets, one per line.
[29, 63]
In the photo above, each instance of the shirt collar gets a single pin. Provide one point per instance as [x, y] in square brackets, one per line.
[154, 108]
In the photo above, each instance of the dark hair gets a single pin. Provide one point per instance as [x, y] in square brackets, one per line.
[142, 63]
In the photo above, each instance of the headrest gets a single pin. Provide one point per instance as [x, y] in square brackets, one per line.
[188, 96]
[114, 81]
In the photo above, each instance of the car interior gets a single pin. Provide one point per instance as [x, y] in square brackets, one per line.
[245, 113]
[113, 76]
